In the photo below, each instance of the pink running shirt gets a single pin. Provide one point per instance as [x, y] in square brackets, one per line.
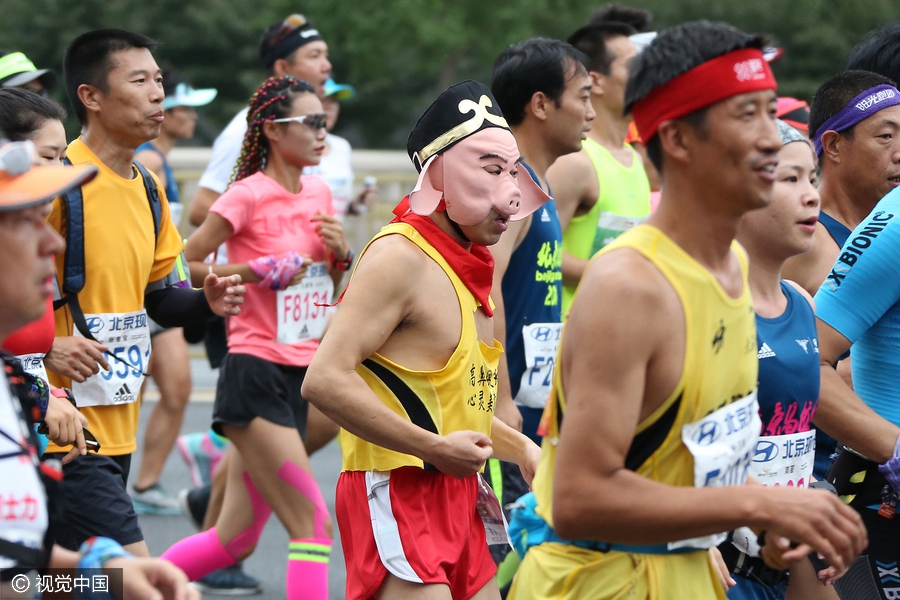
[268, 219]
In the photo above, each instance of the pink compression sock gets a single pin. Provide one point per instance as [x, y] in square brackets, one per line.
[306, 485]
[203, 553]
[307, 570]
[199, 555]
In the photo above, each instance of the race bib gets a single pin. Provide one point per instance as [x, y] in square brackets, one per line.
[723, 444]
[495, 526]
[541, 343]
[785, 459]
[610, 226]
[127, 335]
[299, 317]
[34, 365]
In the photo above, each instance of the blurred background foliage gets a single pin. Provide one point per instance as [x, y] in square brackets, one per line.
[400, 53]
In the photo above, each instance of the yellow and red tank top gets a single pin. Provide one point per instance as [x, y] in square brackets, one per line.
[462, 395]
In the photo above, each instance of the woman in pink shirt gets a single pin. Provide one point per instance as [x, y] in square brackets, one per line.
[280, 232]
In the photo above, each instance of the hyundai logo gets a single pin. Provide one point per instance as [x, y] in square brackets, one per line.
[95, 324]
[542, 334]
[765, 451]
[708, 433]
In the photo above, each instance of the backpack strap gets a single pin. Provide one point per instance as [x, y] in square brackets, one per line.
[74, 271]
[73, 265]
[152, 196]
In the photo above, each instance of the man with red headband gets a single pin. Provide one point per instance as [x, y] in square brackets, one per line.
[653, 420]
[409, 366]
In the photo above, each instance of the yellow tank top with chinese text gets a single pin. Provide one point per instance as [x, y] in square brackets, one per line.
[460, 396]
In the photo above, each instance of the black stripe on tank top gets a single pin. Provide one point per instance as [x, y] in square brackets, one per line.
[408, 399]
[649, 440]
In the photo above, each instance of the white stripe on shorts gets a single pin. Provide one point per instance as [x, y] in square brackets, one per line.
[385, 529]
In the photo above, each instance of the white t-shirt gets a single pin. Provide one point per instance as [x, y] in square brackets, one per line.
[225, 153]
[337, 172]
[335, 167]
[23, 503]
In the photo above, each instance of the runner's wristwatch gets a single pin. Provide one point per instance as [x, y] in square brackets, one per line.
[344, 265]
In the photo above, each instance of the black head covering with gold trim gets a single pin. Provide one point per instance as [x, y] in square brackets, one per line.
[463, 109]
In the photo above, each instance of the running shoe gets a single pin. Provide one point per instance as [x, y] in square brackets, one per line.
[193, 503]
[230, 581]
[155, 500]
[201, 455]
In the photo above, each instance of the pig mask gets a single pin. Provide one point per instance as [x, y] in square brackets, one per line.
[459, 177]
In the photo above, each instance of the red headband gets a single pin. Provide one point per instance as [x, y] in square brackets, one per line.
[737, 72]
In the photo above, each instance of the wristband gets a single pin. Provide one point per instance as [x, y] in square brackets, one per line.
[97, 551]
[891, 469]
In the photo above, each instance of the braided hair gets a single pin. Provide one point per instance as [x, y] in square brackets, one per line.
[271, 101]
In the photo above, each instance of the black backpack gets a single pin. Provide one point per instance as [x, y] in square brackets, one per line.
[74, 274]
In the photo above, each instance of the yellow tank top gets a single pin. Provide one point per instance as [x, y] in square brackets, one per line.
[460, 396]
[720, 367]
[624, 201]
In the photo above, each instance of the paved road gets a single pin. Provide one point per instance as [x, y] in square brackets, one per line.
[269, 561]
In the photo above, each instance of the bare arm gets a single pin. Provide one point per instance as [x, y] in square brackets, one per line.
[572, 269]
[575, 187]
[203, 200]
[575, 190]
[515, 447]
[385, 278]
[841, 413]
[502, 252]
[208, 237]
[594, 495]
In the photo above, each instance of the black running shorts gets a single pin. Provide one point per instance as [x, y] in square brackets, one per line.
[251, 387]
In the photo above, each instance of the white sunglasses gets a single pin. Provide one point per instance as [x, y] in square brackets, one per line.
[314, 121]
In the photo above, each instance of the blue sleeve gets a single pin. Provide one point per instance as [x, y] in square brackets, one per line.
[865, 280]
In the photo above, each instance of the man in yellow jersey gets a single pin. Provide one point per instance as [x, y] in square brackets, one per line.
[409, 366]
[602, 190]
[129, 251]
[653, 421]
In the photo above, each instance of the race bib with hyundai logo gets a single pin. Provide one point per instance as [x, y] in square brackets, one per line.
[785, 459]
[723, 444]
[541, 343]
[127, 335]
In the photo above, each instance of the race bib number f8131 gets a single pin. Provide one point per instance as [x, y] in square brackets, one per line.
[301, 315]
[127, 335]
[723, 444]
[541, 341]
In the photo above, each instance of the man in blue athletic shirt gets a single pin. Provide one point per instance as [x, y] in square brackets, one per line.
[543, 88]
[854, 177]
[855, 126]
